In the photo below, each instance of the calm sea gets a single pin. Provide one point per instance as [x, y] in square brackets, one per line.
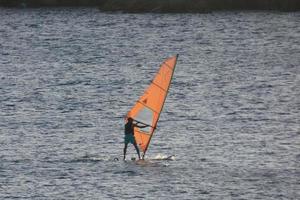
[68, 77]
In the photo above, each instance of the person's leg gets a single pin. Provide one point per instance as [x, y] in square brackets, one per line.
[137, 149]
[124, 151]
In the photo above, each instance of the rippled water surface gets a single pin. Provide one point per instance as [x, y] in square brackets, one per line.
[68, 77]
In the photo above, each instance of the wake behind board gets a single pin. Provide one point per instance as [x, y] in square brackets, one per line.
[162, 157]
[156, 158]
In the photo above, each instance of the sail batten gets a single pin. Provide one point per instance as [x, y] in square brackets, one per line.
[159, 86]
[148, 108]
[168, 66]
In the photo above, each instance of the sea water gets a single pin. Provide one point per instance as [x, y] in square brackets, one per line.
[69, 76]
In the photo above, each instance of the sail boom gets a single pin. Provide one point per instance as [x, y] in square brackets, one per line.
[144, 123]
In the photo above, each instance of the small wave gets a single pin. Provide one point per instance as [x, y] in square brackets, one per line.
[32, 25]
[90, 158]
[128, 172]
[298, 157]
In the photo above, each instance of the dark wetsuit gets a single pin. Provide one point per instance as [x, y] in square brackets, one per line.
[129, 133]
[129, 128]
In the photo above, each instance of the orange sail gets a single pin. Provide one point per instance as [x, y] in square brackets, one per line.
[147, 109]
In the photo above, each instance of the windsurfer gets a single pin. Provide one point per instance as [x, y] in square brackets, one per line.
[129, 136]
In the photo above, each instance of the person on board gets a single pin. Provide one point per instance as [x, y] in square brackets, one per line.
[129, 136]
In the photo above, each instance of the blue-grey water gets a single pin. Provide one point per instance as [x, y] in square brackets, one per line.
[68, 77]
